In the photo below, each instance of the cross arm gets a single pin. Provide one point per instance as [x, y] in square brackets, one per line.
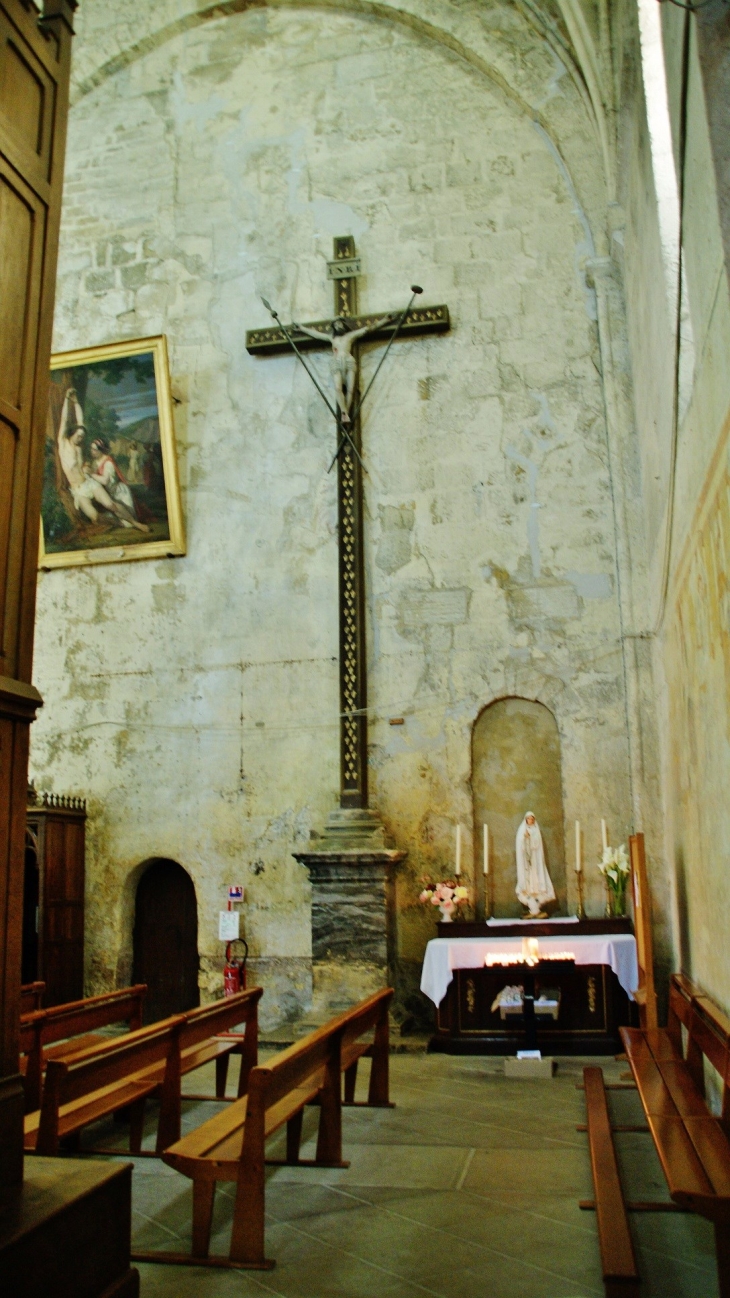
[422, 320]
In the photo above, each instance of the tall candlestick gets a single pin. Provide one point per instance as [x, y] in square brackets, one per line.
[604, 835]
[486, 849]
[578, 865]
[457, 870]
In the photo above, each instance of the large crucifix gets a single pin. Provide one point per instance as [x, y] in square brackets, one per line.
[344, 334]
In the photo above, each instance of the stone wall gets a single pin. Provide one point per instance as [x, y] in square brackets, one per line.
[685, 491]
[694, 644]
[213, 155]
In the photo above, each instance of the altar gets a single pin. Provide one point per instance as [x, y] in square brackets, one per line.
[585, 973]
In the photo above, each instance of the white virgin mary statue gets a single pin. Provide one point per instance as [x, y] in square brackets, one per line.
[534, 886]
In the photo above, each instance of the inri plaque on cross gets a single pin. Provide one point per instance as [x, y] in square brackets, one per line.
[343, 334]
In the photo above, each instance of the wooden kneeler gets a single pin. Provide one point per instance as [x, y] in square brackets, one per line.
[620, 1276]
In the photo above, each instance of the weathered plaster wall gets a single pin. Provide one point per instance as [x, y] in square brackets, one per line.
[194, 701]
[694, 646]
[686, 519]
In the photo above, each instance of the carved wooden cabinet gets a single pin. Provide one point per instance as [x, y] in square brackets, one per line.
[53, 910]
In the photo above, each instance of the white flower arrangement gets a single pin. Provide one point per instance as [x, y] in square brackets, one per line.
[615, 868]
[614, 863]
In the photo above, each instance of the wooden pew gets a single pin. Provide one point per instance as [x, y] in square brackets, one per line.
[618, 1261]
[73, 1027]
[377, 1050]
[231, 1145]
[645, 994]
[692, 1144]
[205, 1037]
[31, 995]
[83, 1087]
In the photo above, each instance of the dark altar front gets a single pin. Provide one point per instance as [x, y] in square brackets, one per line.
[579, 1007]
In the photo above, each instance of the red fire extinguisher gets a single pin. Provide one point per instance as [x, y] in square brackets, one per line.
[234, 971]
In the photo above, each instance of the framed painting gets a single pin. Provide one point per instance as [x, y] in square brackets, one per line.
[110, 484]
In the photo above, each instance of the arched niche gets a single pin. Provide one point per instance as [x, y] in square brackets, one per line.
[165, 939]
[516, 768]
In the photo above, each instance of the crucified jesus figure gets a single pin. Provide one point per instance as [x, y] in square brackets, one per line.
[343, 365]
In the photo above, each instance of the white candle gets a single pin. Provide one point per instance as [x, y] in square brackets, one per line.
[578, 866]
[458, 850]
[604, 835]
[486, 849]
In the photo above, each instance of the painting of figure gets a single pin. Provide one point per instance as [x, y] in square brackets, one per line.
[110, 484]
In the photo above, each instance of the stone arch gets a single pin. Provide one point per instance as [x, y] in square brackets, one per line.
[165, 938]
[578, 59]
[516, 767]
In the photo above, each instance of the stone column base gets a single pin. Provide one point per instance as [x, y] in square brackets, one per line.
[353, 916]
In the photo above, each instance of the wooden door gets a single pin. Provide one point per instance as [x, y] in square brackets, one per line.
[35, 53]
[166, 940]
[62, 953]
[31, 902]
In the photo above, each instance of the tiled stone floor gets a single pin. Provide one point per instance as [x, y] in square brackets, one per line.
[469, 1188]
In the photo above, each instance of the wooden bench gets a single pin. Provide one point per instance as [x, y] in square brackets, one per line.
[692, 1144]
[378, 1051]
[95, 1082]
[206, 1037]
[231, 1145]
[123, 1072]
[73, 1027]
[31, 995]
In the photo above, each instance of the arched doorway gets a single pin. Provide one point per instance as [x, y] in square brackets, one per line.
[166, 940]
[516, 767]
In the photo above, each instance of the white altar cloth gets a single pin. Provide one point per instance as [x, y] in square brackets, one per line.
[444, 954]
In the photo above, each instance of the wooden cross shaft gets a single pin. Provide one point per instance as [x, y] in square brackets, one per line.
[353, 668]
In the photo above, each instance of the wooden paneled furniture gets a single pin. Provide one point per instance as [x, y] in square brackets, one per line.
[56, 834]
[69, 1238]
[83, 1087]
[73, 1028]
[35, 55]
[692, 1143]
[592, 1003]
[231, 1145]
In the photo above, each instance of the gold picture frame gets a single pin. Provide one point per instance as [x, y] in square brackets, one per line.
[111, 491]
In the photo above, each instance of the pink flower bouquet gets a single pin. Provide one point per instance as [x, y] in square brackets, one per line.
[448, 896]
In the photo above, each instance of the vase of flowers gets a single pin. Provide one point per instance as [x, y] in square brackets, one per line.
[448, 896]
[615, 868]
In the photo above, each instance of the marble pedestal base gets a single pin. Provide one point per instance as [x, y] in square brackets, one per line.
[353, 914]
